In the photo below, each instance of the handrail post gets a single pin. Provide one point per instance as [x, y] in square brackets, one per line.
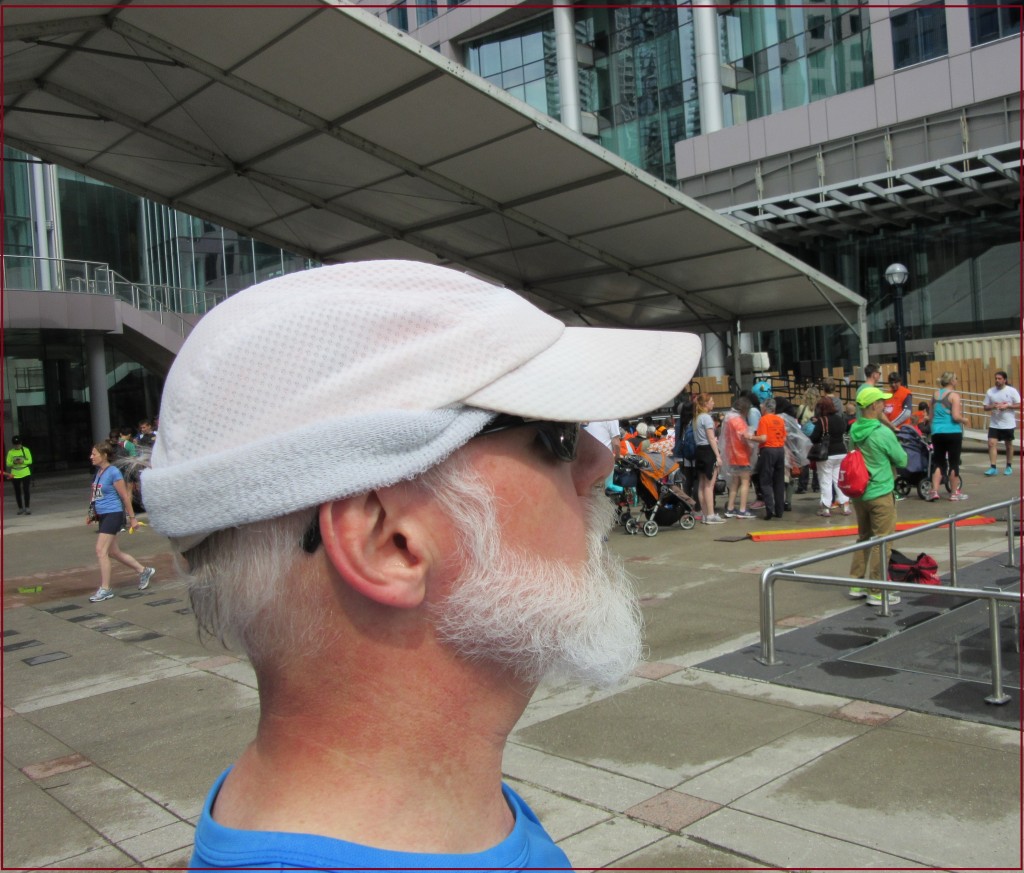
[1010, 538]
[952, 552]
[767, 618]
[997, 696]
[883, 568]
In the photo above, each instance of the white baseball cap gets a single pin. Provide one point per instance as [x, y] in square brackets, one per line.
[331, 382]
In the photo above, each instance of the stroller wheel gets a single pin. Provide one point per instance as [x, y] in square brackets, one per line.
[650, 528]
[632, 527]
[902, 486]
[924, 488]
[687, 521]
[624, 516]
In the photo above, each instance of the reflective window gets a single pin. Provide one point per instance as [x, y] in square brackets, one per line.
[522, 61]
[783, 57]
[18, 235]
[426, 10]
[99, 223]
[398, 16]
[641, 84]
[993, 19]
[918, 34]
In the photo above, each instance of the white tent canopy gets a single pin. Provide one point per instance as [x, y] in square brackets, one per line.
[328, 133]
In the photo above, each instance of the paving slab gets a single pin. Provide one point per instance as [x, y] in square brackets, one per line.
[684, 853]
[39, 830]
[562, 816]
[26, 743]
[959, 731]
[775, 844]
[105, 803]
[658, 733]
[173, 838]
[605, 843]
[924, 815]
[746, 773]
[138, 733]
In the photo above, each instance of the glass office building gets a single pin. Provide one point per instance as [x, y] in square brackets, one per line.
[61, 230]
[638, 70]
[832, 73]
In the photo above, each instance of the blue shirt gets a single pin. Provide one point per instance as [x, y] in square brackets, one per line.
[527, 846]
[104, 492]
[942, 420]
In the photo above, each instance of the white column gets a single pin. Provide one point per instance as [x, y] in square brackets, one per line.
[709, 68]
[40, 209]
[99, 405]
[736, 339]
[862, 328]
[714, 355]
[568, 67]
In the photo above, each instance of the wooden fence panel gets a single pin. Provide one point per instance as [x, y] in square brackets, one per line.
[975, 376]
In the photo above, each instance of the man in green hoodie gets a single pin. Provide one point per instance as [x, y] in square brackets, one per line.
[876, 509]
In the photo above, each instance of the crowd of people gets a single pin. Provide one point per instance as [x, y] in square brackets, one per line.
[768, 447]
[756, 449]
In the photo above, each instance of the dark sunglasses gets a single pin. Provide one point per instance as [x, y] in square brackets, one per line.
[561, 438]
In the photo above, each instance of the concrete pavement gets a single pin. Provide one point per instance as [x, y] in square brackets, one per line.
[117, 719]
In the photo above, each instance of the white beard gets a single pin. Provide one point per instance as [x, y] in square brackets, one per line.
[537, 617]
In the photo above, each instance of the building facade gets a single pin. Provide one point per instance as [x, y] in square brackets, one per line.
[64, 232]
[853, 136]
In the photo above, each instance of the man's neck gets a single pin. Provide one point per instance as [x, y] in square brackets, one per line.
[377, 774]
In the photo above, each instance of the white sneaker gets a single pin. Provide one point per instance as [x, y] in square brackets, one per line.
[714, 519]
[145, 576]
[876, 599]
[101, 595]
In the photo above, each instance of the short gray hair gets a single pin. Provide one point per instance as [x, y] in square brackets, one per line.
[238, 581]
[769, 405]
[248, 589]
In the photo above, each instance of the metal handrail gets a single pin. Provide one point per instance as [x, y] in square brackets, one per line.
[167, 303]
[993, 596]
[973, 406]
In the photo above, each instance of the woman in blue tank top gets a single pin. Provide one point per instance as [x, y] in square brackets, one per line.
[947, 430]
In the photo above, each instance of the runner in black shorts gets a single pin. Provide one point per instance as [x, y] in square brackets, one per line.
[1003, 402]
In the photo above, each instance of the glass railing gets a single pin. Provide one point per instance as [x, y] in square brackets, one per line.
[169, 304]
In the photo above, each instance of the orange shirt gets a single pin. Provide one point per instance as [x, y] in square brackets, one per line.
[773, 427]
[737, 445]
[894, 406]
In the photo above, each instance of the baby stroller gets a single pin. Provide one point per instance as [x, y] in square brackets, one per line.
[664, 502]
[919, 463]
[624, 483]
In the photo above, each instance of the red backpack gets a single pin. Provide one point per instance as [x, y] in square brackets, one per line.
[853, 474]
[923, 570]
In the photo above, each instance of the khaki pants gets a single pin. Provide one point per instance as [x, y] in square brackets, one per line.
[875, 518]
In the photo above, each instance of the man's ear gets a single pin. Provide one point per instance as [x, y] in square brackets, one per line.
[379, 545]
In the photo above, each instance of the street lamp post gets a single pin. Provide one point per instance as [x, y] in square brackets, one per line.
[896, 275]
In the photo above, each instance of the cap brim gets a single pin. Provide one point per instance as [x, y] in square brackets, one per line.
[595, 374]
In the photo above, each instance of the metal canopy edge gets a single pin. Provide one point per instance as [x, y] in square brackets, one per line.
[324, 131]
